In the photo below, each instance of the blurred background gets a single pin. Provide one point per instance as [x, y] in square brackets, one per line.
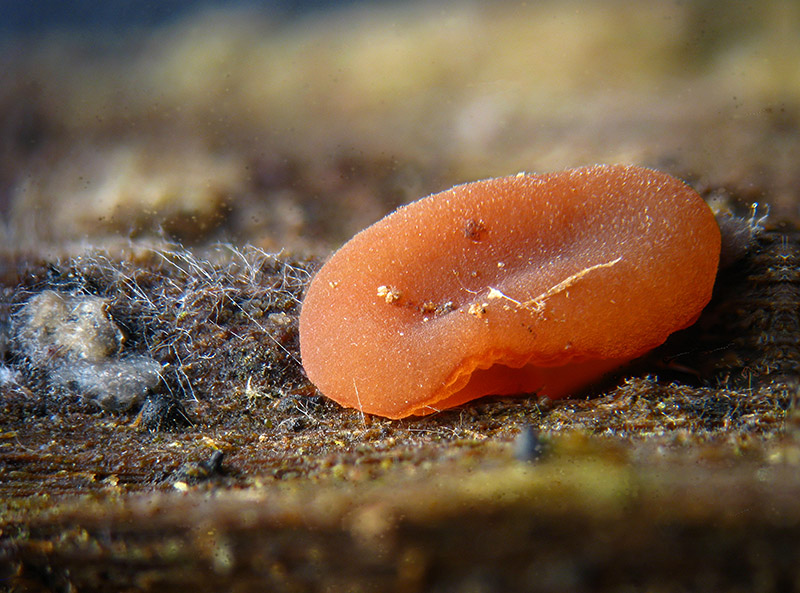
[40, 16]
[292, 125]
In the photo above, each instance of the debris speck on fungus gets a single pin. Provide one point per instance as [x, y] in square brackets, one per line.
[474, 229]
[389, 294]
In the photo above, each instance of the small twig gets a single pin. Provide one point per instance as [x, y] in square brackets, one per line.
[537, 303]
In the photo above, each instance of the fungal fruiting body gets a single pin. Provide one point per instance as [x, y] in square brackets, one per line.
[525, 284]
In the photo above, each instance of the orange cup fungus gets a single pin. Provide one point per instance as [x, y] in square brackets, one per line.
[524, 284]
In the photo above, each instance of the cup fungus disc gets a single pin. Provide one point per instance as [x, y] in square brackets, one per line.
[524, 284]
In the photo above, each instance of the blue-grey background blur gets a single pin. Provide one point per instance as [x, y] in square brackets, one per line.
[38, 15]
